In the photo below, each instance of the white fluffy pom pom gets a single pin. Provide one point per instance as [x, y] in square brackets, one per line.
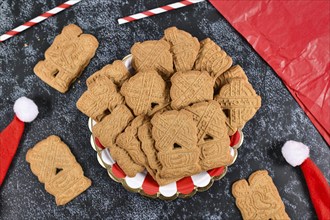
[25, 109]
[295, 153]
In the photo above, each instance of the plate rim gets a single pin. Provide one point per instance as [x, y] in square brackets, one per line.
[158, 195]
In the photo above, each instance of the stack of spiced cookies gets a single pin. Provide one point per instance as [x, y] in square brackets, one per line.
[174, 115]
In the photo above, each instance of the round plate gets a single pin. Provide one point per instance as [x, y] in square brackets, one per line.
[144, 184]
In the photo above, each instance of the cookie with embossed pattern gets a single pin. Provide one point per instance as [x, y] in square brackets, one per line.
[259, 198]
[212, 58]
[100, 99]
[190, 87]
[53, 163]
[175, 135]
[212, 134]
[153, 165]
[124, 161]
[129, 141]
[147, 146]
[112, 125]
[239, 102]
[153, 55]
[233, 73]
[66, 58]
[116, 72]
[144, 92]
[184, 48]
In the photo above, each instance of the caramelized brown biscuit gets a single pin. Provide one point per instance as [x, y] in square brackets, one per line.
[144, 92]
[233, 73]
[112, 125]
[129, 141]
[116, 72]
[231, 130]
[124, 161]
[100, 98]
[175, 135]
[153, 55]
[147, 146]
[259, 198]
[66, 58]
[184, 48]
[166, 106]
[239, 101]
[53, 163]
[190, 87]
[153, 165]
[212, 134]
[212, 58]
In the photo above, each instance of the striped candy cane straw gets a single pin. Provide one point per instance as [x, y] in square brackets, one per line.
[157, 11]
[38, 19]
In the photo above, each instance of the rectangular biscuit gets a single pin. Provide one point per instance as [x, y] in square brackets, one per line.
[259, 198]
[53, 163]
[66, 58]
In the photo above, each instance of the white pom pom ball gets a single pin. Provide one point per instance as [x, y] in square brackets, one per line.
[295, 153]
[25, 109]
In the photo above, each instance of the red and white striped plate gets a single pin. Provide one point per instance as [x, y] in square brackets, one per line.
[144, 184]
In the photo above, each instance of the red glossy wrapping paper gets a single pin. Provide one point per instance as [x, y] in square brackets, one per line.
[294, 39]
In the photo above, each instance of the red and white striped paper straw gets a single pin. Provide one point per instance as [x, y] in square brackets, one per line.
[38, 19]
[157, 11]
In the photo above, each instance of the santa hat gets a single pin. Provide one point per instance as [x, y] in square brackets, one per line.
[25, 111]
[297, 154]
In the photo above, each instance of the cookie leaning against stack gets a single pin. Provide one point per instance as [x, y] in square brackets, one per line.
[166, 117]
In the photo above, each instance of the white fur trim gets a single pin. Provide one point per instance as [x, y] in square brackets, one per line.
[25, 109]
[295, 153]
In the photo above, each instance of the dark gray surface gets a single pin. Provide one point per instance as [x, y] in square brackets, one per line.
[279, 119]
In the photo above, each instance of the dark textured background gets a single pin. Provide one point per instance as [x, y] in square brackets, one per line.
[279, 119]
